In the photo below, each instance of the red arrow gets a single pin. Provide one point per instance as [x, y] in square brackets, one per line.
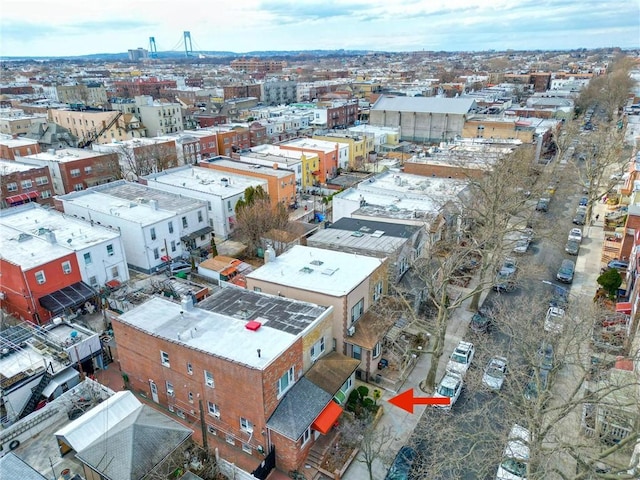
[406, 400]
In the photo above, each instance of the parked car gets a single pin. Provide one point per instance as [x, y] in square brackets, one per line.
[505, 280]
[522, 245]
[579, 218]
[516, 455]
[482, 321]
[450, 386]
[618, 264]
[572, 247]
[560, 297]
[461, 358]
[554, 320]
[584, 201]
[494, 373]
[546, 360]
[537, 385]
[179, 266]
[543, 205]
[575, 234]
[566, 271]
[401, 465]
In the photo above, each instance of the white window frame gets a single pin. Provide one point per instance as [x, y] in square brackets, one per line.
[42, 180]
[28, 183]
[45, 194]
[152, 232]
[41, 278]
[357, 311]
[230, 439]
[74, 172]
[246, 448]
[208, 379]
[189, 368]
[212, 430]
[306, 436]
[246, 425]
[115, 272]
[87, 258]
[170, 391]
[88, 169]
[377, 350]
[377, 291]
[66, 267]
[110, 250]
[289, 375]
[317, 348]
[164, 359]
[213, 409]
[12, 187]
[190, 397]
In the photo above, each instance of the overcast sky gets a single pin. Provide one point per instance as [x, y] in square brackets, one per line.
[78, 27]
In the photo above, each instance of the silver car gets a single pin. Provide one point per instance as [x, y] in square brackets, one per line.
[494, 373]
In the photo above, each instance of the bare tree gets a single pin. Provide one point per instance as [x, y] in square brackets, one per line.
[141, 160]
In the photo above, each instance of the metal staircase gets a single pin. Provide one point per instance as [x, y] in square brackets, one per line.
[96, 134]
[36, 393]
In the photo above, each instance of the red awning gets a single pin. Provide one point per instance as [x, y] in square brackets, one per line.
[623, 307]
[165, 258]
[113, 283]
[327, 418]
[22, 197]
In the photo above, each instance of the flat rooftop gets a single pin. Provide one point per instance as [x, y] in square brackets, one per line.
[278, 154]
[11, 142]
[65, 155]
[312, 144]
[315, 269]
[205, 180]
[250, 167]
[221, 333]
[71, 233]
[28, 251]
[8, 167]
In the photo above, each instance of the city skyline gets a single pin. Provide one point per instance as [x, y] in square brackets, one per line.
[71, 27]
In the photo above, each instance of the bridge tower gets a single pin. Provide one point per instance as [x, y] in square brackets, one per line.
[188, 46]
[153, 49]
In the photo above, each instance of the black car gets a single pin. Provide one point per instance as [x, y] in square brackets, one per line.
[401, 465]
[566, 271]
[579, 218]
[572, 247]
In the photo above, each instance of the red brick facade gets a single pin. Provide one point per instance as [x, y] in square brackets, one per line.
[22, 187]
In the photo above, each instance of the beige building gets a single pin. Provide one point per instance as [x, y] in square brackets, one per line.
[349, 283]
[91, 95]
[489, 126]
[96, 126]
[14, 122]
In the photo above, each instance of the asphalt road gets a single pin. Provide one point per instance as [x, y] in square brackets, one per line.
[466, 454]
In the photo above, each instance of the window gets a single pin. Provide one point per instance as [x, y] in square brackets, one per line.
[357, 352]
[164, 359]
[45, 194]
[377, 291]
[170, 227]
[286, 381]
[114, 272]
[230, 439]
[156, 253]
[78, 187]
[317, 349]
[110, 251]
[306, 436]
[170, 391]
[229, 205]
[40, 278]
[189, 368]
[208, 379]
[180, 413]
[153, 233]
[257, 289]
[200, 219]
[357, 310]
[173, 245]
[26, 184]
[42, 180]
[213, 409]
[246, 425]
[66, 267]
[12, 187]
[246, 448]
[212, 430]
[209, 205]
[87, 170]
[93, 281]
[376, 350]
[75, 172]
[185, 224]
[87, 258]
[190, 397]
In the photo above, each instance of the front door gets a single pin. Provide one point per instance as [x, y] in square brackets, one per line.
[154, 390]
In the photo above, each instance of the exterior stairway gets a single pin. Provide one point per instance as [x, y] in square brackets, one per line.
[36, 393]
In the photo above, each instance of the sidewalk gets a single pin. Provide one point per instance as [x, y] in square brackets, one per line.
[588, 261]
[401, 423]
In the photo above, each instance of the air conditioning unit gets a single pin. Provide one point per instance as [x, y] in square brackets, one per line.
[170, 393]
[350, 331]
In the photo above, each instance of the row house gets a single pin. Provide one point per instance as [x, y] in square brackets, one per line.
[220, 191]
[335, 115]
[23, 183]
[359, 146]
[281, 184]
[142, 86]
[155, 225]
[205, 120]
[302, 164]
[350, 283]
[193, 146]
[99, 250]
[384, 138]
[332, 155]
[12, 147]
[75, 169]
[247, 363]
[287, 127]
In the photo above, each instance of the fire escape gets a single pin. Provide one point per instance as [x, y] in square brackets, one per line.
[93, 136]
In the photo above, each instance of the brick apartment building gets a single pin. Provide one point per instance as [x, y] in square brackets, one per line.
[12, 147]
[242, 91]
[257, 65]
[74, 169]
[23, 183]
[245, 359]
[142, 86]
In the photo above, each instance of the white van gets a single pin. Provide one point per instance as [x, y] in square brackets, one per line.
[516, 455]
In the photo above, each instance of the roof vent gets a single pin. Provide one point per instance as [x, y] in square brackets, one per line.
[23, 237]
[357, 234]
[377, 233]
[317, 262]
[306, 270]
[253, 325]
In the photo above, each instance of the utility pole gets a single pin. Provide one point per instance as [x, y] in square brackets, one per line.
[203, 429]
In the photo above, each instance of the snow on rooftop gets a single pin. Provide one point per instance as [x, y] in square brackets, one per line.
[220, 335]
[319, 270]
[11, 142]
[28, 251]
[313, 144]
[9, 166]
[64, 155]
[280, 154]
